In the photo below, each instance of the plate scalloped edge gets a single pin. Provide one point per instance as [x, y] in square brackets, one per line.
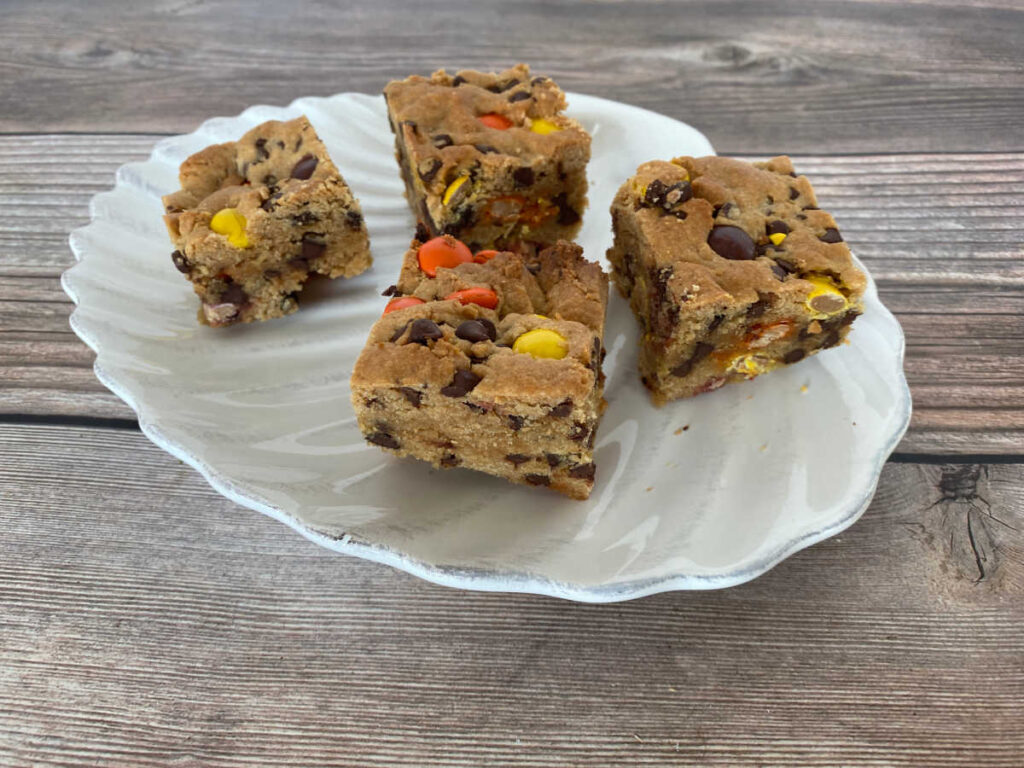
[488, 580]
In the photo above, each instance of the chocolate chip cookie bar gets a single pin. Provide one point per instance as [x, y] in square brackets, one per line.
[490, 362]
[254, 218]
[731, 269]
[490, 158]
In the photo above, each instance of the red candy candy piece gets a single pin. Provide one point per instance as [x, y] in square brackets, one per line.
[494, 120]
[443, 251]
[402, 302]
[482, 257]
[485, 297]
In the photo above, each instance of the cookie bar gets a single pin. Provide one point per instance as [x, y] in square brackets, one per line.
[731, 269]
[256, 217]
[489, 158]
[491, 362]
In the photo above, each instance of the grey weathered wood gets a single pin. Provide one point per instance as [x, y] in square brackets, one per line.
[795, 75]
[943, 235]
[149, 622]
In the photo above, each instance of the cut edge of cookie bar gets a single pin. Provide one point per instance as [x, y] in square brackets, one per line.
[472, 385]
[731, 269]
[489, 157]
[255, 218]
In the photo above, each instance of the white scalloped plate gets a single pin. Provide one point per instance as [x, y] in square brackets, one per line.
[704, 493]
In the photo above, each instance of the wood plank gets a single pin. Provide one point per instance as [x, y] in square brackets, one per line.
[149, 622]
[805, 76]
[942, 234]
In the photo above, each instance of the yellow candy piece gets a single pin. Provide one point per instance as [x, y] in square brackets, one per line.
[453, 188]
[751, 365]
[825, 300]
[542, 342]
[777, 238]
[230, 223]
[543, 126]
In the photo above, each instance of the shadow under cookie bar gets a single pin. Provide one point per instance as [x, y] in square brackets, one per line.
[255, 218]
[489, 158]
[457, 383]
[731, 270]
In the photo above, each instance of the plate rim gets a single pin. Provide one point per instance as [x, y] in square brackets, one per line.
[459, 577]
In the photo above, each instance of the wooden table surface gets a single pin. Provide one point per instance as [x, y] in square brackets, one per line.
[147, 621]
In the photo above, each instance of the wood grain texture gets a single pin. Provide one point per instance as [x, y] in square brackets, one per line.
[943, 235]
[800, 76]
[149, 622]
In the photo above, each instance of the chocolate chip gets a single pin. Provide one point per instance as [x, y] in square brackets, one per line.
[731, 243]
[681, 215]
[503, 86]
[271, 274]
[794, 356]
[450, 460]
[462, 383]
[412, 125]
[383, 439]
[492, 332]
[486, 149]
[422, 233]
[831, 236]
[234, 294]
[538, 80]
[441, 140]
[180, 262]
[725, 211]
[810, 208]
[391, 290]
[592, 439]
[583, 471]
[475, 408]
[831, 340]
[304, 168]
[270, 179]
[311, 247]
[667, 197]
[472, 330]
[702, 350]
[758, 307]
[561, 410]
[579, 431]
[794, 193]
[459, 80]
[538, 479]
[270, 203]
[398, 333]
[261, 149]
[554, 459]
[373, 402]
[779, 272]
[517, 458]
[716, 321]
[566, 215]
[414, 396]
[305, 218]
[515, 423]
[424, 330]
[519, 96]
[299, 263]
[428, 168]
[523, 177]
[777, 228]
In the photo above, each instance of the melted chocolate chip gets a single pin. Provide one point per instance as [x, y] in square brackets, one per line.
[486, 149]
[523, 177]
[304, 168]
[702, 350]
[794, 356]
[538, 479]
[731, 243]
[305, 218]
[777, 228]
[398, 332]
[831, 340]
[383, 439]
[424, 330]
[554, 460]
[441, 140]
[758, 307]
[270, 179]
[181, 263]
[716, 321]
[519, 96]
[422, 233]
[517, 458]
[583, 471]
[462, 383]
[561, 410]
[566, 215]
[579, 431]
[472, 330]
[450, 460]
[414, 396]
[312, 248]
[234, 294]
[429, 168]
[779, 272]
[831, 236]
[515, 423]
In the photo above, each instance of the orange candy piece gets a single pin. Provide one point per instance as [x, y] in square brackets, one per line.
[484, 297]
[443, 251]
[401, 302]
[494, 120]
[482, 257]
